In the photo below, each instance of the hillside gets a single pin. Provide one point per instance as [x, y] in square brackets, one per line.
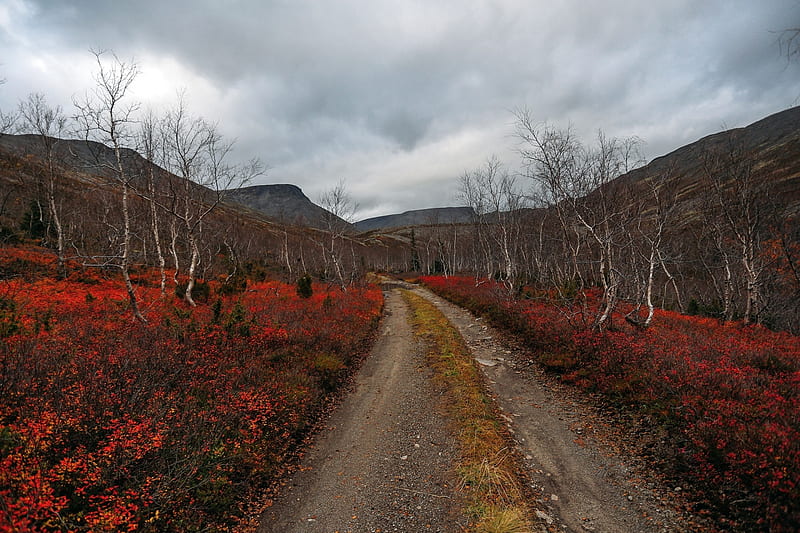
[772, 146]
[75, 155]
[88, 199]
[283, 203]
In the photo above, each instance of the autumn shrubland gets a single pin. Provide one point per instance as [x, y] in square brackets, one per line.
[725, 395]
[111, 424]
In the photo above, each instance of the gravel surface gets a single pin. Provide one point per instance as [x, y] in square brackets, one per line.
[385, 462]
[583, 481]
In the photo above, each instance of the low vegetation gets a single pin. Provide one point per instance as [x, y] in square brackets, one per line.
[111, 424]
[487, 468]
[727, 396]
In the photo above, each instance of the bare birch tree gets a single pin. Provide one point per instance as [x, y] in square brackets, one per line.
[554, 159]
[152, 148]
[196, 152]
[652, 226]
[7, 121]
[494, 196]
[47, 123]
[470, 196]
[106, 116]
[578, 183]
[740, 202]
[340, 210]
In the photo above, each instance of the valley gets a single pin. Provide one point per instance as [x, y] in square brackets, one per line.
[170, 331]
[371, 267]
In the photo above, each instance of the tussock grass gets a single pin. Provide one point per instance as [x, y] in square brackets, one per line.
[489, 478]
[509, 520]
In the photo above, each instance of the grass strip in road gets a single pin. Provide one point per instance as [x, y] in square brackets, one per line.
[488, 471]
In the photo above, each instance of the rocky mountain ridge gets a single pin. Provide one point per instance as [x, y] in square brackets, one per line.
[285, 203]
[418, 217]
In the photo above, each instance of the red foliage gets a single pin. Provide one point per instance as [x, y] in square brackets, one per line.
[107, 424]
[730, 393]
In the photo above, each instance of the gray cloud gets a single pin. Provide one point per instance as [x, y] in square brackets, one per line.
[399, 98]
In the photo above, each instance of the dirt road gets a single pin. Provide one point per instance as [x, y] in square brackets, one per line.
[386, 462]
[584, 484]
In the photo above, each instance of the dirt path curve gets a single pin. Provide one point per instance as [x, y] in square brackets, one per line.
[385, 462]
[583, 485]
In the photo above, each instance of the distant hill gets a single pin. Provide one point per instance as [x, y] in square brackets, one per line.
[772, 144]
[283, 202]
[418, 217]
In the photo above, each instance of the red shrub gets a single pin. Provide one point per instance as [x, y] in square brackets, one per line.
[731, 392]
[107, 424]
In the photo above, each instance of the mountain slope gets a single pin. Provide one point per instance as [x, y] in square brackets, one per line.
[73, 154]
[284, 203]
[771, 145]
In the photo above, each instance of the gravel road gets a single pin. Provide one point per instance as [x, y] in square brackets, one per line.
[385, 463]
[583, 484]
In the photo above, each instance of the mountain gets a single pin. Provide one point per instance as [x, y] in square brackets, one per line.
[88, 199]
[285, 203]
[418, 217]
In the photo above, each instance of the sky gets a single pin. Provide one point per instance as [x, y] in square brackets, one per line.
[397, 99]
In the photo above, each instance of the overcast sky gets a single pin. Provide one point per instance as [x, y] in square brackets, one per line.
[399, 98]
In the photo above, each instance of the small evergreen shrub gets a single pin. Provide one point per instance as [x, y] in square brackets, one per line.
[235, 284]
[304, 289]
